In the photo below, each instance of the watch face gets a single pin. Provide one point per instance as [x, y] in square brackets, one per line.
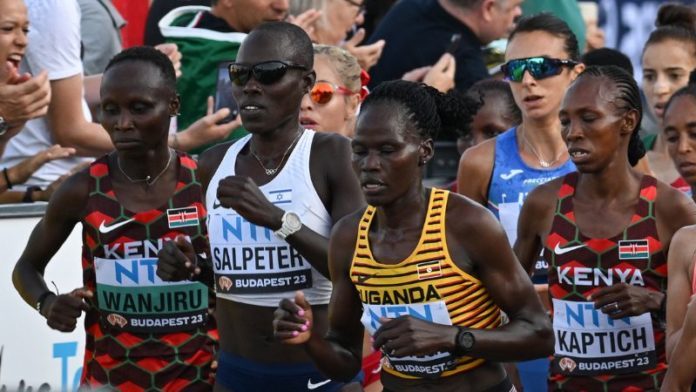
[293, 221]
[466, 340]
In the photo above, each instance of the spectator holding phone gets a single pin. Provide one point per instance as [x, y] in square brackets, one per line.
[418, 32]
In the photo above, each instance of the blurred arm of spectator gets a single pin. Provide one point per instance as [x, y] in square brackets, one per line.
[22, 97]
[440, 75]
[172, 51]
[20, 173]
[367, 55]
[205, 130]
[306, 21]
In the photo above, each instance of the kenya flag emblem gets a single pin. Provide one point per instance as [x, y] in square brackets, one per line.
[634, 249]
[182, 217]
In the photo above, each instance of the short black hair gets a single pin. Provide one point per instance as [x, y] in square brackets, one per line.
[149, 55]
[430, 110]
[551, 24]
[494, 87]
[290, 36]
[627, 97]
[689, 89]
[608, 56]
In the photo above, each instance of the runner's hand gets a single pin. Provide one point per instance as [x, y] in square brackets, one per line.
[293, 320]
[62, 311]
[625, 300]
[244, 196]
[408, 335]
[177, 260]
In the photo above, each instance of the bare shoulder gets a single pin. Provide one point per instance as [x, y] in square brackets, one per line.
[69, 200]
[673, 208]
[542, 197]
[479, 158]
[345, 231]
[466, 215]
[475, 168]
[209, 161]
[326, 144]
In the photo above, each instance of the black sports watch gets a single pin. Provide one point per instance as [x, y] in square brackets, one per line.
[463, 342]
[4, 126]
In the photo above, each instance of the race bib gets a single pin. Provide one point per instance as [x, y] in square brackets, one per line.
[509, 214]
[251, 259]
[425, 366]
[131, 297]
[589, 342]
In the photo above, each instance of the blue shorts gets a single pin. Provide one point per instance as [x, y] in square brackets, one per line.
[239, 374]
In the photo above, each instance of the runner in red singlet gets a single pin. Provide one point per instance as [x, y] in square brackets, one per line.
[142, 333]
[605, 230]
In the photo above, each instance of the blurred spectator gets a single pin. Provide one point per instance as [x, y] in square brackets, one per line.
[566, 10]
[100, 25]
[329, 21]
[594, 36]
[208, 38]
[160, 8]
[419, 32]
[374, 12]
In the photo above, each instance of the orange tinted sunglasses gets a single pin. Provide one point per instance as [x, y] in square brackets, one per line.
[322, 92]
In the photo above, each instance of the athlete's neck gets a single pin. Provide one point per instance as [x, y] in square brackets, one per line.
[545, 140]
[143, 164]
[616, 181]
[274, 143]
[406, 212]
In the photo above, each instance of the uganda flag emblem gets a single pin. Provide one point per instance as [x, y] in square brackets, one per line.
[634, 249]
[429, 270]
[182, 217]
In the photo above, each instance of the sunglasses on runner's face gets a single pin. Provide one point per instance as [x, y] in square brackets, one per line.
[267, 72]
[538, 67]
[322, 92]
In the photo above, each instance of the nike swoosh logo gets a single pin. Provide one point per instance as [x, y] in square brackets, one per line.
[560, 251]
[106, 229]
[216, 204]
[311, 385]
[512, 173]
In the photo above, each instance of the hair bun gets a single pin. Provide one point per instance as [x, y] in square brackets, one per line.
[677, 15]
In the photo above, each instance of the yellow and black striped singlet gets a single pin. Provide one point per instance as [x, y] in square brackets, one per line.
[427, 285]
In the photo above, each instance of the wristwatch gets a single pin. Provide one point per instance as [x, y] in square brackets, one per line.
[291, 225]
[4, 126]
[28, 198]
[463, 342]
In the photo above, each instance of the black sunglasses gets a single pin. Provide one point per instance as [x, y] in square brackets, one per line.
[538, 67]
[267, 72]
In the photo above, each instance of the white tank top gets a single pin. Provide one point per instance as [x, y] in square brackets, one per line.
[252, 265]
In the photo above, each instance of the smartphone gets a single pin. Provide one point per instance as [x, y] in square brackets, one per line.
[454, 44]
[223, 92]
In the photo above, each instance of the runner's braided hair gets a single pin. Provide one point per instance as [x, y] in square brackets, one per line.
[431, 111]
[626, 97]
[489, 88]
[150, 55]
[689, 89]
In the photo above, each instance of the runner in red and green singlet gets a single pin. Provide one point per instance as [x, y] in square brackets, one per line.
[605, 230]
[142, 333]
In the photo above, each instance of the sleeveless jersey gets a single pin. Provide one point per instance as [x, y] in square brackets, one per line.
[143, 333]
[594, 352]
[252, 265]
[511, 182]
[427, 285]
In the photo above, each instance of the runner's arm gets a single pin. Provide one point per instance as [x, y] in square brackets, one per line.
[683, 251]
[529, 334]
[63, 212]
[534, 217]
[339, 353]
[682, 371]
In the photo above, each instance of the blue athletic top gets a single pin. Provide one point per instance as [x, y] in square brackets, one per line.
[511, 182]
